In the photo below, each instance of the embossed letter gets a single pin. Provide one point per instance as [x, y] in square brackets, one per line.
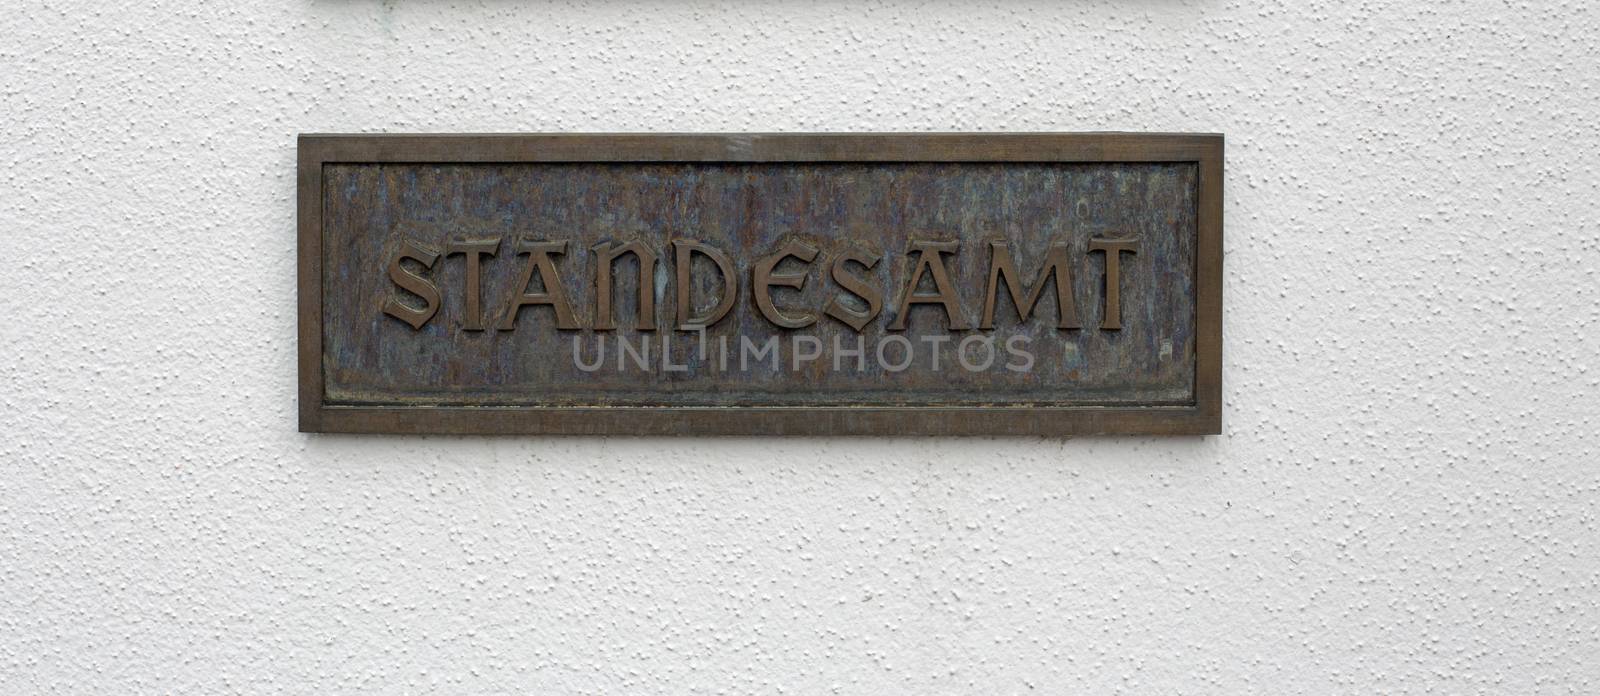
[1001, 268]
[474, 251]
[683, 251]
[930, 256]
[554, 294]
[1113, 249]
[765, 279]
[414, 284]
[608, 254]
[857, 286]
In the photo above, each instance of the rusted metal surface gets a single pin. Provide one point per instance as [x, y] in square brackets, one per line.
[483, 284]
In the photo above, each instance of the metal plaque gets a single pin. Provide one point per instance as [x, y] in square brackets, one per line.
[1028, 284]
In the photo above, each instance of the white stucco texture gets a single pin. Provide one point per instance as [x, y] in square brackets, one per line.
[1405, 498]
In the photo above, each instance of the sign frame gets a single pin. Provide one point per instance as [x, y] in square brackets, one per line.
[1201, 418]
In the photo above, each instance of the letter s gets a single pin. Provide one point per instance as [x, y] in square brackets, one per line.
[414, 284]
[1017, 351]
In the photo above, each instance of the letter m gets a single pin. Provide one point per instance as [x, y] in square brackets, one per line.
[747, 350]
[1002, 268]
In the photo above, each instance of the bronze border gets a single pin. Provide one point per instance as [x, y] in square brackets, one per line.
[1205, 417]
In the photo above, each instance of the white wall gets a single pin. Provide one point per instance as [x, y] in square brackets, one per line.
[1406, 498]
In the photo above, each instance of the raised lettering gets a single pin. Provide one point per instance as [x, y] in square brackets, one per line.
[857, 286]
[554, 294]
[764, 279]
[683, 251]
[1001, 268]
[414, 284]
[930, 258]
[608, 254]
[1113, 249]
[474, 251]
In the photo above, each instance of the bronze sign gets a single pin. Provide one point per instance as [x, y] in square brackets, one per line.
[761, 284]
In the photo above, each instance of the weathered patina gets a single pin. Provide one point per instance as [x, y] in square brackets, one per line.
[761, 284]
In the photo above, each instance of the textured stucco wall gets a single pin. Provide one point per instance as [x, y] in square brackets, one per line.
[1406, 498]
